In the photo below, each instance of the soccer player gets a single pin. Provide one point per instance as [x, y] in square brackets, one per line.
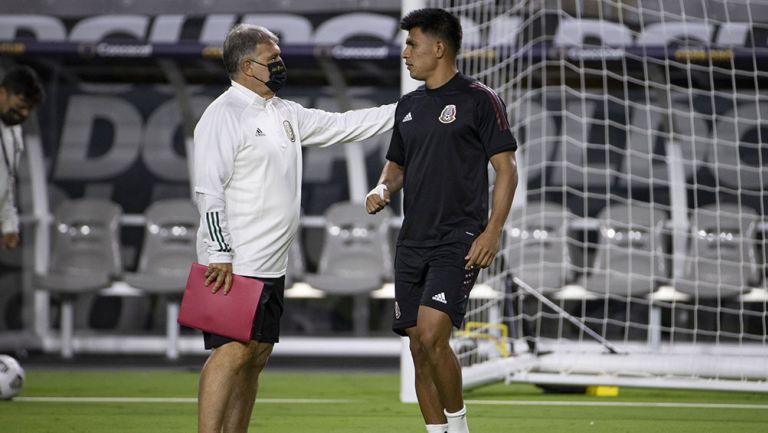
[247, 180]
[445, 133]
[20, 93]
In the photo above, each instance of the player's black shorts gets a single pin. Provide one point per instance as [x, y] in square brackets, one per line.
[266, 327]
[434, 277]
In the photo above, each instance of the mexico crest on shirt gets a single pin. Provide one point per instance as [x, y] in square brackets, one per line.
[448, 114]
[289, 130]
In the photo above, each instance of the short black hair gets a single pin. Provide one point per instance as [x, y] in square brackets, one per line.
[435, 22]
[24, 81]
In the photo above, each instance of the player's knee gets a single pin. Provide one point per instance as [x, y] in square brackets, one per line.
[259, 356]
[260, 362]
[417, 351]
[430, 341]
[242, 357]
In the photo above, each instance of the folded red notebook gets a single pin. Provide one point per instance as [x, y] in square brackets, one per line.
[228, 315]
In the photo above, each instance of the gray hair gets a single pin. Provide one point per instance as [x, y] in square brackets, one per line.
[241, 41]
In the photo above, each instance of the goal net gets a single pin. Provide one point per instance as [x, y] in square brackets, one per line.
[635, 253]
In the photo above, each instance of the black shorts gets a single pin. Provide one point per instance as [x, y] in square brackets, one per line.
[266, 326]
[434, 277]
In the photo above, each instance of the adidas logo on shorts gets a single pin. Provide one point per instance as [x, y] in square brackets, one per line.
[407, 117]
[440, 297]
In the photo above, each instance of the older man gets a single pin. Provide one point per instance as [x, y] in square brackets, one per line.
[248, 187]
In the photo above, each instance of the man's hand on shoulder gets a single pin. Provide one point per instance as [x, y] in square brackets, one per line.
[220, 274]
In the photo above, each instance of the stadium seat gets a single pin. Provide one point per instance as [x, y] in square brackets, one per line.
[651, 11]
[759, 295]
[84, 259]
[355, 258]
[537, 245]
[166, 256]
[630, 255]
[737, 12]
[721, 259]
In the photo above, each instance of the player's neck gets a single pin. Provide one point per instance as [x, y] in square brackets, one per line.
[440, 77]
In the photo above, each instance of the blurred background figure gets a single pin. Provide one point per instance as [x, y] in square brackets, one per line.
[20, 93]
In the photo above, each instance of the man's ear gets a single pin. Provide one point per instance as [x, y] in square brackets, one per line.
[245, 66]
[440, 50]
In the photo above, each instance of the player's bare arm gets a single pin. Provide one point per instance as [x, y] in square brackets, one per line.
[484, 248]
[390, 181]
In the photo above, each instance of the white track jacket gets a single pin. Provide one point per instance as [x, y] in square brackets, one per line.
[247, 173]
[12, 146]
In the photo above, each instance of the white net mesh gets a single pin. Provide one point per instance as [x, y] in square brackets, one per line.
[638, 224]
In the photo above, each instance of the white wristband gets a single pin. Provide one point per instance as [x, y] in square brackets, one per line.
[380, 188]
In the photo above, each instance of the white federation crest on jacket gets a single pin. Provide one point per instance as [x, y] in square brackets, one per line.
[448, 114]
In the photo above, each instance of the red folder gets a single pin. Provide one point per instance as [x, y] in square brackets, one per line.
[228, 315]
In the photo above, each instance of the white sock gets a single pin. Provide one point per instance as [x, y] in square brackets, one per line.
[457, 422]
[437, 428]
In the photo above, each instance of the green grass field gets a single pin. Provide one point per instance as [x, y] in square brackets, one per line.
[163, 402]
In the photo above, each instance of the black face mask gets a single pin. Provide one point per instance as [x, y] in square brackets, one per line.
[277, 75]
[11, 118]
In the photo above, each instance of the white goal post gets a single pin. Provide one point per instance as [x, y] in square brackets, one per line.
[635, 253]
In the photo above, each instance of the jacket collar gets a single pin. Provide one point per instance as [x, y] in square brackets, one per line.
[249, 94]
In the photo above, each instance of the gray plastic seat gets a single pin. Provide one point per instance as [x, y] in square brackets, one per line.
[85, 256]
[166, 257]
[652, 11]
[355, 258]
[537, 246]
[630, 258]
[738, 12]
[721, 260]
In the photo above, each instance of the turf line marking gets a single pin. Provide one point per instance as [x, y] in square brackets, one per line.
[168, 400]
[619, 404]
[332, 401]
